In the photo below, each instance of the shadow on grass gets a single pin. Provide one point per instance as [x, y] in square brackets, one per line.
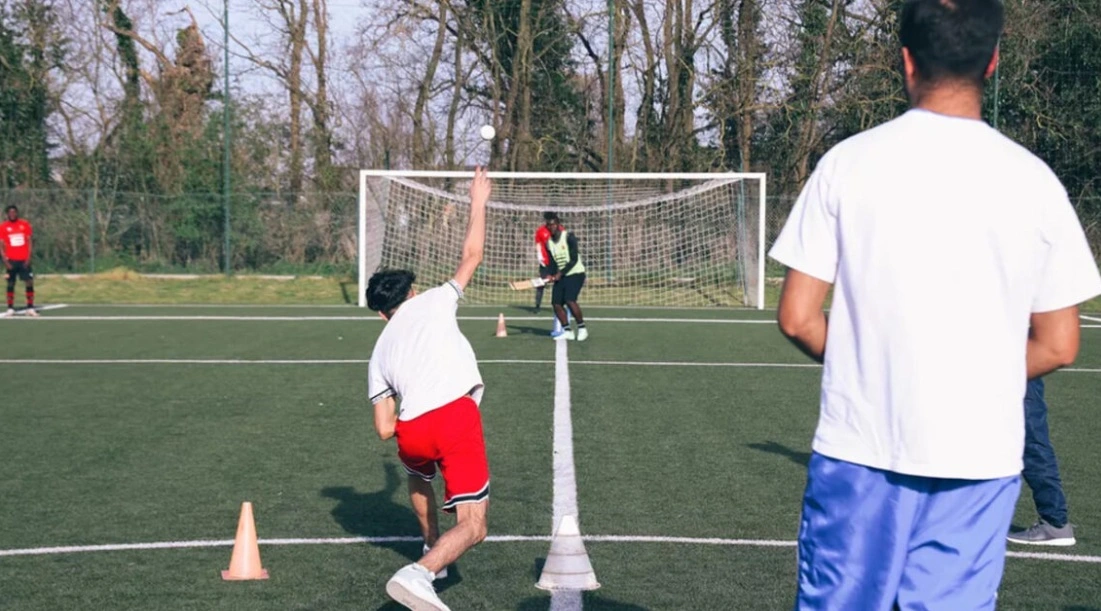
[526, 330]
[771, 447]
[375, 514]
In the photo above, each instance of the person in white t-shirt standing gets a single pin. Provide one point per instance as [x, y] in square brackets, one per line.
[944, 243]
[424, 382]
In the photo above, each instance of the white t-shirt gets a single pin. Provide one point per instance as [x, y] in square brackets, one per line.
[422, 358]
[941, 237]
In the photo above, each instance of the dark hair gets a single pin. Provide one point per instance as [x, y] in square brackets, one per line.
[551, 216]
[10, 208]
[388, 289]
[951, 39]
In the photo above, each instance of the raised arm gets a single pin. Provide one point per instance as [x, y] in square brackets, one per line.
[474, 244]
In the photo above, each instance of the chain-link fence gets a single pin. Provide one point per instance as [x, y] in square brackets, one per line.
[87, 231]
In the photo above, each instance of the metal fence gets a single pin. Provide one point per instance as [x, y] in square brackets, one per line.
[88, 232]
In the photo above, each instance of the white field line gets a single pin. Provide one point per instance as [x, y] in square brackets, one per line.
[462, 308]
[232, 362]
[214, 318]
[732, 365]
[1089, 318]
[203, 543]
[227, 317]
[565, 475]
[181, 362]
[365, 361]
[213, 306]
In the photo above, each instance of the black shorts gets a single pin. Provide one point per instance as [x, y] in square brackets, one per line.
[20, 269]
[567, 289]
[544, 271]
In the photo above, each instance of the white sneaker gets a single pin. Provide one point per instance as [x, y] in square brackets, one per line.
[582, 334]
[33, 313]
[412, 587]
[10, 312]
[443, 572]
[566, 335]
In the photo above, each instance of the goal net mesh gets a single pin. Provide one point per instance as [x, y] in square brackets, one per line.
[643, 241]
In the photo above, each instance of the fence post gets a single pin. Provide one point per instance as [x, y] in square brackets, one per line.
[92, 232]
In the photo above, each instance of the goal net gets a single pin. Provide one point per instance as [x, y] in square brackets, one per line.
[672, 240]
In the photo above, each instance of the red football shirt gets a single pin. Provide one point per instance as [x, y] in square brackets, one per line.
[541, 236]
[17, 239]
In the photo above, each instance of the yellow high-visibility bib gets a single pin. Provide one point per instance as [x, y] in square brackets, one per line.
[560, 250]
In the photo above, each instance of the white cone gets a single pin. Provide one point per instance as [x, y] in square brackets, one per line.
[567, 566]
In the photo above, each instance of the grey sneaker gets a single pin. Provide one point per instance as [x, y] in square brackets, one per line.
[1042, 533]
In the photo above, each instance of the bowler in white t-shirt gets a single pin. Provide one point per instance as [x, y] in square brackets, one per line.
[944, 242]
[424, 383]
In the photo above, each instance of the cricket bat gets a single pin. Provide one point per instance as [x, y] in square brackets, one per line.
[523, 285]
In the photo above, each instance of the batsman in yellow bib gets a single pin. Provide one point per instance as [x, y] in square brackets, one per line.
[568, 274]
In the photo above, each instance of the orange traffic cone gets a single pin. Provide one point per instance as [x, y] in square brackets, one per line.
[245, 562]
[501, 330]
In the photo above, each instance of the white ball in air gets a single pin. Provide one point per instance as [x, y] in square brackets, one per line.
[488, 132]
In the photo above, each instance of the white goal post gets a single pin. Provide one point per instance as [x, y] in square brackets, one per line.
[659, 239]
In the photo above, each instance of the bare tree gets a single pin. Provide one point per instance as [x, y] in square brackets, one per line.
[319, 101]
[421, 153]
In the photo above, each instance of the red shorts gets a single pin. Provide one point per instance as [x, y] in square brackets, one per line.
[450, 437]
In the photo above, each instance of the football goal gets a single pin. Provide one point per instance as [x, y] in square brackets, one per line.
[669, 240]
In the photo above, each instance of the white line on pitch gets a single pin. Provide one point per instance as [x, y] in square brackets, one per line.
[181, 318]
[231, 362]
[565, 475]
[1089, 318]
[720, 364]
[192, 318]
[181, 362]
[464, 307]
[701, 364]
[766, 543]
[212, 306]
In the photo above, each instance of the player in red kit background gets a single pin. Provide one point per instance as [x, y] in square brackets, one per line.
[15, 239]
[541, 236]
